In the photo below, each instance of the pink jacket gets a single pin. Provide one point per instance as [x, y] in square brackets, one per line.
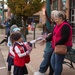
[57, 35]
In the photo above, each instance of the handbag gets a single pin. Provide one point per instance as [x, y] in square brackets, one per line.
[60, 49]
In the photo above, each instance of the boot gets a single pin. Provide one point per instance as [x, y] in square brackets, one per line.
[8, 73]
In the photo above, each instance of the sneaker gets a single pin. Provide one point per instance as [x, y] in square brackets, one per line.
[39, 73]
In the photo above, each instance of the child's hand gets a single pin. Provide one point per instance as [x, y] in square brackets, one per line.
[29, 50]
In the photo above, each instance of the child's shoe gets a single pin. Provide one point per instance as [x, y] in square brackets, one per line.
[39, 73]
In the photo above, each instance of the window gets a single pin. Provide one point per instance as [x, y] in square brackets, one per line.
[72, 3]
[55, 4]
[72, 17]
[64, 5]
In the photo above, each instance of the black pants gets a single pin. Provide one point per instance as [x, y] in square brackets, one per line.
[9, 68]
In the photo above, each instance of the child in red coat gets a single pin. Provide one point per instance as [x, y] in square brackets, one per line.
[21, 51]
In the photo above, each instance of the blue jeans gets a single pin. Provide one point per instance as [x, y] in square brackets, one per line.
[46, 61]
[56, 63]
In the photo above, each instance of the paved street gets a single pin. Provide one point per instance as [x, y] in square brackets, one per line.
[36, 57]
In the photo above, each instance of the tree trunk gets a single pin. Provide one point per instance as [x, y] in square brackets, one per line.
[24, 26]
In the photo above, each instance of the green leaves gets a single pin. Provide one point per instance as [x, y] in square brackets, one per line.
[25, 7]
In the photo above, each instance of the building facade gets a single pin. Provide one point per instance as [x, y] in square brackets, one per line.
[68, 6]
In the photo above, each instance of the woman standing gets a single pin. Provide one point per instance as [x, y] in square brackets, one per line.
[61, 35]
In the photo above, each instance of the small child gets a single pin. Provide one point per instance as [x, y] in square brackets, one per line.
[10, 58]
[10, 45]
[21, 50]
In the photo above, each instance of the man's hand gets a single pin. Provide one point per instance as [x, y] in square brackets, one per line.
[44, 35]
[42, 42]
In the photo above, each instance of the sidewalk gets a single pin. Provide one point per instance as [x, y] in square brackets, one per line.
[36, 57]
[2, 65]
[3, 56]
